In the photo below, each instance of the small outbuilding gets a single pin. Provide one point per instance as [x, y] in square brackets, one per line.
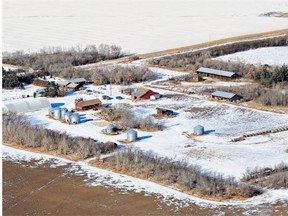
[73, 87]
[111, 129]
[88, 104]
[79, 81]
[132, 135]
[162, 112]
[199, 130]
[228, 96]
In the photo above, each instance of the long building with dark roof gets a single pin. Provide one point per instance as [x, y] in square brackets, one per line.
[226, 96]
[220, 74]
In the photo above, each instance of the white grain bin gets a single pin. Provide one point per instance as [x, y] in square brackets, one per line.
[131, 135]
[111, 128]
[57, 113]
[51, 112]
[199, 130]
[63, 112]
[67, 117]
[75, 118]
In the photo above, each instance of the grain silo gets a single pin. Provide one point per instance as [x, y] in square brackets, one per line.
[67, 117]
[199, 130]
[131, 135]
[63, 112]
[75, 118]
[57, 113]
[111, 129]
[51, 112]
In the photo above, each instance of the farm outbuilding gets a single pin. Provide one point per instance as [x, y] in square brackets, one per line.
[143, 94]
[79, 81]
[88, 104]
[220, 74]
[132, 135]
[26, 105]
[111, 129]
[75, 118]
[199, 130]
[73, 87]
[162, 112]
[228, 96]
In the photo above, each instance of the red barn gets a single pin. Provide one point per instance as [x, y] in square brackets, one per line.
[142, 94]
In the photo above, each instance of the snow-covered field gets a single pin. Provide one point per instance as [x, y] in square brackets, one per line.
[266, 55]
[137, 26]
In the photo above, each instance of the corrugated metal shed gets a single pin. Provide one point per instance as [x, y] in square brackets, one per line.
[63, 83]
[73, 85]
[223, 94]
[79, 80]
[216, 72]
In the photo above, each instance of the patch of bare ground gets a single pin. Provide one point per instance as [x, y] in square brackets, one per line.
[47, 191]
[275, 109]
[40, 150]
[275, 14]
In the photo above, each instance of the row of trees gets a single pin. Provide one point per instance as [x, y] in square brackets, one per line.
[53, 59]
[16, 78]
[276, 177]
[122, 75]
[124, 117]
[181, 173]
[16, 128]
[191, 61]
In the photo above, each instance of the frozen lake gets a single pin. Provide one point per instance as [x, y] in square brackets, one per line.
[136, 25]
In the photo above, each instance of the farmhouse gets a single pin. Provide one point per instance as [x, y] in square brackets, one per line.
[221, 95]
[143, 94]
[162, 112]
[88, 104]
[220, 74]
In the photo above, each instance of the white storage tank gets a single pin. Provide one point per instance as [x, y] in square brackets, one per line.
[111, 128]
[199, 130]
[132, 135]
[75, 118]
[63, 112]
[67, 117]
[57, 113]
[51, 112]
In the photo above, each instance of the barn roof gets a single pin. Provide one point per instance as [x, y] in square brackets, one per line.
[77, 80]
[73, 85]
[223, 94]
[89, 103]
[63, 82]
[216, 72]
[137, 94]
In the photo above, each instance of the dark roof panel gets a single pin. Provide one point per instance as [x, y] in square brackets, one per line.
[223, 94]
[216, 72]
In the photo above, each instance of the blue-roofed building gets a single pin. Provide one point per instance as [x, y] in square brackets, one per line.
[220, 74]
[221, 95]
